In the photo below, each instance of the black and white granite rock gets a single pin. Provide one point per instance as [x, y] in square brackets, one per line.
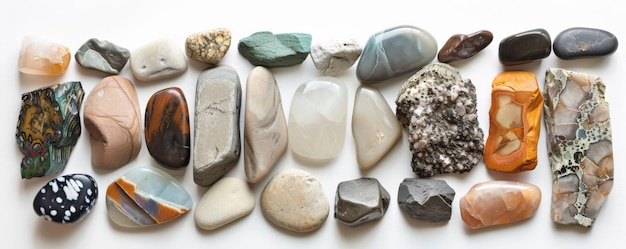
[102, 55]
[426, 199]
[580, 42]
[525, 47]
[66, 199]
[360, 200]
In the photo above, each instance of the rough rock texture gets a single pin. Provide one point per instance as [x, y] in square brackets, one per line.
[275, 50]
[462, 46]
[335, 56]
[438, 108]
[580, 145]
[426, 199]
[209, 46]
[360, 201]
[102, 55]
[580, 42]
[525, 47]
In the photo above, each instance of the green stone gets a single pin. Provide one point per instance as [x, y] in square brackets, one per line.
[281, 50]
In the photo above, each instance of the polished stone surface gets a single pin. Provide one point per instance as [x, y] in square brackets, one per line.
[375, 128]
[514, 122]
[275, 50]
[360, 201]
[217, 144]
[525, 47]
[209, 46]
[66, 199]
[439, 109]
[335, 56]
[102, 55]
[463, 46]
[580, 145]
[426, 199]
[158, 59]
[144, 197]
[39, 56]
[395, 51]
[317, 118]
[113, 122]
[265, 127]
[581, 42]
[294, 200]
[494, 203]
[166, 128]
[228, 200]
[48, 128]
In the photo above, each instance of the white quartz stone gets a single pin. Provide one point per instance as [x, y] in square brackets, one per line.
[335, 56]
[228, 200]
[317, 118]
[375, 127]
[157, 60]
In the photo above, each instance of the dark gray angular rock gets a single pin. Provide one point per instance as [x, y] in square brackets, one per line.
[525, 47]
[426, 199]
[281, 50]
[580, 42]
[360, 200]
[102, 55]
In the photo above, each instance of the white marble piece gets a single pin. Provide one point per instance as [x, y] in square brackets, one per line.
[157, 60]
[335, 56]
[226, 201]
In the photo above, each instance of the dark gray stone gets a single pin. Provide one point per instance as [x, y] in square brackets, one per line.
[360, 200]
[280, 50]
[426, 199]
[103, 56]
[577, 43]
[525, 47]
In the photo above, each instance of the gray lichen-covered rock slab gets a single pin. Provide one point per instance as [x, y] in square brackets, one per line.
[438, 107]
[217, 144]
[360, 201]
[275, 50]
[580, 146]
[102, 55]
[426, 199]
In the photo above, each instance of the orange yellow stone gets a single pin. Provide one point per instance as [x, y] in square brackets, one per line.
[499, 202]
[43, 57]
[514, 122]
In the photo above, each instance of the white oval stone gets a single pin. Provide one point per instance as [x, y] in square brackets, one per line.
[375, 127]
[157, 60]
[227, 200]
[335, 56]
[317, 118]
[294, 200]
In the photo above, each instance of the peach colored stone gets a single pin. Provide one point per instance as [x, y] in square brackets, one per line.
[42, 57]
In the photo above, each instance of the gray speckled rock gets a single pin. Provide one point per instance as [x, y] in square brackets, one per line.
[102, 55]
[426, 199]
[217, 144]
[525, 47]
[395, 51]
[335, 56]
[579, 42]
[281, 50]
[360, 200]
[157, 60]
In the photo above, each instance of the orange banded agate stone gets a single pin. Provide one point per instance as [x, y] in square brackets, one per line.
[514, 122]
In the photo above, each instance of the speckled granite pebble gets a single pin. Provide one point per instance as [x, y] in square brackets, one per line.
[209, 46]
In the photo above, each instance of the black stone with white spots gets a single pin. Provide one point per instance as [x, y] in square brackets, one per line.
[66, 199]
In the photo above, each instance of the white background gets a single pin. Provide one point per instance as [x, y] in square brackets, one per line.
[133, 23]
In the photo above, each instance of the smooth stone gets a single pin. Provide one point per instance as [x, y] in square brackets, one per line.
[426, 199]
[209, 46]
[514, 122]
[294, 200]
[113, 121]
[525, 47]
[580, 42]
[159, 59]
[102, 55]
[375, 128]
[317, 118]
[66, 199]
[499, 202]
[335, 56]
[42, 57]
[265, 128]
[463, 46]
[360, 201]
[217, 144]
[395, 51]
[580, 145]
[439, 109]
[275, 50]
[228, 200]
[145, 197]
[48, 128]
[166, 128]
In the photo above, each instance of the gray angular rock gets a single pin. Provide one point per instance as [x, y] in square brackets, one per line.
[426, 199]
[281, 50]
[360, 200]
[580, 42]
[102, 55]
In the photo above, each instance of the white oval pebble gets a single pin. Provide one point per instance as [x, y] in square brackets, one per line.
[227, 200]
[157, 60]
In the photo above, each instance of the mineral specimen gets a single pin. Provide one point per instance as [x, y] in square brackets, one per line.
[226, 201]
[499, 202]
[275, 50]
[515, 122]
[461, 46]
[580, 146]
[209, 46]
[48, 127]
[66, 199]
[41, 57]
[335, 56]
[525, 47]
[426, 199]
[438, 108]
[102, 55]
[579, 42]
[156, 60]
[360, 200]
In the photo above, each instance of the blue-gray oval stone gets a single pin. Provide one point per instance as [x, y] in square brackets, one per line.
[579, 42]
[395, 51]
[66, 199]
[525, 47]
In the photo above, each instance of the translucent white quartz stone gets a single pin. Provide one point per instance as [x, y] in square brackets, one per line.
[317, 118]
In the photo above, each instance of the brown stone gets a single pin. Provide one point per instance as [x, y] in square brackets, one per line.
[462, 46]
